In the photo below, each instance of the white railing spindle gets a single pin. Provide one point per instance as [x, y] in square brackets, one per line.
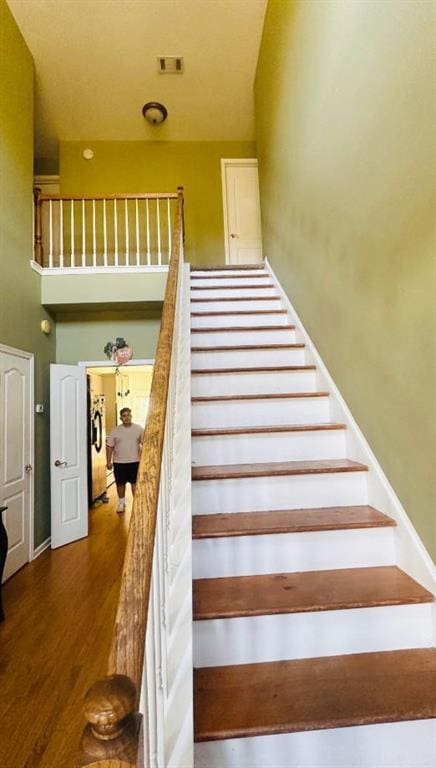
[147, 217]
[50, 245]
[115, 234]
[72, 233]
[61, 234]
[138, 255]
[83, 234]
[126, 219]
[159, 253]
[169, 229]
[104, 234]
[94, 237]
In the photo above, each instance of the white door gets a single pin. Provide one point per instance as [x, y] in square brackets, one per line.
[16, 456]
[242, 228]
[68, 454]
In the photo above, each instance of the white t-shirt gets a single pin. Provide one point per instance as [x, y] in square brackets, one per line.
[126, 442]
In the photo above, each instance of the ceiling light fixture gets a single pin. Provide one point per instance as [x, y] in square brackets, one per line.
[154, 112]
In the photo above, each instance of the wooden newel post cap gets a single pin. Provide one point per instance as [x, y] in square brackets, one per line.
[107, 705]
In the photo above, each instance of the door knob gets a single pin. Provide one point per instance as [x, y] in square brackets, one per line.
[28, 468]
[60, 463]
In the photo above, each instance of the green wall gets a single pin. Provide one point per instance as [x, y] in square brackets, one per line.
[20, 309]
[344, 109]
[140, 166]
[84, 338]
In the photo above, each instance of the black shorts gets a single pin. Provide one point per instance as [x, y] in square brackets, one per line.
[126, 473]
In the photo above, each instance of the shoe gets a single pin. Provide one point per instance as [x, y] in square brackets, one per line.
[121, 506]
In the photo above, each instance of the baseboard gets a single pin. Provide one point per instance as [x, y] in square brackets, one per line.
[41, 548]
[412, 555]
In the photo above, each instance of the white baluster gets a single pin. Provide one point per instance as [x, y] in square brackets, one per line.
[94, 237]
[159, 254]
[50, 246]
[115, 234]
[169, 229]
[72, 233]
[104, 235]
[148, 232]
[126, 220]
[83, 235]
[61, 233]
[138, 257]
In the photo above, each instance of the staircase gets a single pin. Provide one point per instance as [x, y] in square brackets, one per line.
[312, 648]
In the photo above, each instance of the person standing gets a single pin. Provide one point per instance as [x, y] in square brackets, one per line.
[123, 450]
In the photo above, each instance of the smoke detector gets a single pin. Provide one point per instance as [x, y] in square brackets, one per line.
[170, 65]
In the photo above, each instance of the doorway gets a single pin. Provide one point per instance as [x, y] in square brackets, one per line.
[16, 455]
[81, 416]
[241, 209]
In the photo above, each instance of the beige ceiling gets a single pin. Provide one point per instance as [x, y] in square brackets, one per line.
[96, 65]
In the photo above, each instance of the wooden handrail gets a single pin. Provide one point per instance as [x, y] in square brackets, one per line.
[112, 736]
[123, 196]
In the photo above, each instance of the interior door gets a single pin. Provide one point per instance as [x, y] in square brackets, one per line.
[68, 454]
[242, 212]
[15, 457]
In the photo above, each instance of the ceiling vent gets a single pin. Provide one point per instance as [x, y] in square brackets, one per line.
[170, 65]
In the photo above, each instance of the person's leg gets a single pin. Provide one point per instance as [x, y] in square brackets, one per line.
[121, 486]
[133, 475]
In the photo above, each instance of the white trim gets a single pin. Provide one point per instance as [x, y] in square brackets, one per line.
[412, 556]
[41, 548]
[112, 364]
[225, 162]
[94, 270]
[30, 357]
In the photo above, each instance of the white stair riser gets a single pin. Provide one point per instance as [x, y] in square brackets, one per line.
[211, 273]
[270, 446]
[233, 293]
[410, 744]
[257, 639]
[248, 384]
[239, 358]
[226, 338]
[239, 280]
[297, 491]
[252, 413]
[224, 321]
[235, 306]
[292, 552]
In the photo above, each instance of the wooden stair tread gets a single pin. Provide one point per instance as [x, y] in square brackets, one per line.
[267, 429]
[240, 312]
[247, 347]
[262, 276]
[275, 469]
[231, 287]
[264, 396]
[242, 329]
[311, 694]
[238, 298]
[264, 522]
[227, 267]
[253, 369]
[332, 590]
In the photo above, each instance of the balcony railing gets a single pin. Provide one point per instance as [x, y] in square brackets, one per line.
[110, 232]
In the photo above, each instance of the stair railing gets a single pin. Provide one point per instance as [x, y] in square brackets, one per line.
[79, 232]
[140, 715]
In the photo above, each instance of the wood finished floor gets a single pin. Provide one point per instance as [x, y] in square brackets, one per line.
[55, 642]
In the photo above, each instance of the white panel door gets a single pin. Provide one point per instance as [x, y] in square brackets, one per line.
[68, 456]
[15, 457]
[242, 212]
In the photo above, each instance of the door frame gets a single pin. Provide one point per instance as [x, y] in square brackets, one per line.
[225, 163]
[31, 358]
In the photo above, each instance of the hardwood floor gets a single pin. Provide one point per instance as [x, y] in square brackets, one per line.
[55, 642]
